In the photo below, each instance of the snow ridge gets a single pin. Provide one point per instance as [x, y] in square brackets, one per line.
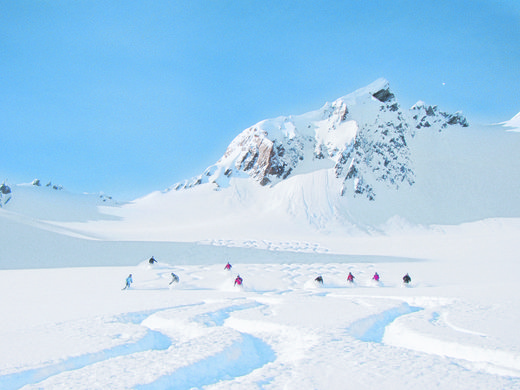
[513, 124]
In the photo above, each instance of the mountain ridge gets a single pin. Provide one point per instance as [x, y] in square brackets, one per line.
[362, 135]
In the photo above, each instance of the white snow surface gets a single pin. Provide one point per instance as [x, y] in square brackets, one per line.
[454, 327]
[67, 323]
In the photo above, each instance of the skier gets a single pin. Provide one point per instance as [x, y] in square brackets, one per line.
[407, 279]
[175, 278]
[228, 266]
[152, 260]
[376, 277]
[129, 281]
[238, 280]
[350, 277]
[319, 280]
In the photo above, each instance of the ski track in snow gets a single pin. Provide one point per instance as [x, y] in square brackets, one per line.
[152, 341]
[373, 328]
[404, 333]
[241, 355]
[240, 338]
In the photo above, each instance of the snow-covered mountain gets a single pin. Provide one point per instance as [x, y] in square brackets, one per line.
[362, 136]
[362, 164]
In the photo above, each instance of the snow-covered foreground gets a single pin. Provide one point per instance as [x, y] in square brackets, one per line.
[75, 328]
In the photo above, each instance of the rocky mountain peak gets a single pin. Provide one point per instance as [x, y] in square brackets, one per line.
[362, 136]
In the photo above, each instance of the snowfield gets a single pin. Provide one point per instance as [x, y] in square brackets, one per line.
[455, 326]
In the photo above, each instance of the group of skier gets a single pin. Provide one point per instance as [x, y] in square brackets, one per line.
[350, 278]
[239, 280]
[129, 280]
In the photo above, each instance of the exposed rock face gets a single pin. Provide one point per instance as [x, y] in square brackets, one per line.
[362, 136]
[384, 95]
[379, 152]
[260, 157]
[428, 116]
[263, 159]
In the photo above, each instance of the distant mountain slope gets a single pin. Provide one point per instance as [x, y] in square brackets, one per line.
[52, 202]
[363, 160]
[357, 166]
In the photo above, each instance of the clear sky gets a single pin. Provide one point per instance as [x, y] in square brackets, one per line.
[128, 97]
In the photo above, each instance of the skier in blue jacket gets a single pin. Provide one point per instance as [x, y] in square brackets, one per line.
[129, 281]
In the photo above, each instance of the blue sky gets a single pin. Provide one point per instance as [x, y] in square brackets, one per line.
[128, 97]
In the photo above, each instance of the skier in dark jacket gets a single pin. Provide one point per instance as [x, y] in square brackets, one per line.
[319, 279]
[175, 278]
[152, 260]
[407, 279]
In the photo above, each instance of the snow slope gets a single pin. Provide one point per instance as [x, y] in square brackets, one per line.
[513, 123]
